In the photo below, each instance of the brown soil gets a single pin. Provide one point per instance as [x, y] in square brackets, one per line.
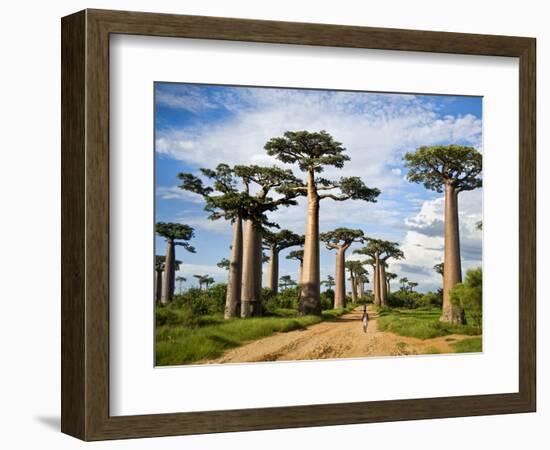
[342, 337]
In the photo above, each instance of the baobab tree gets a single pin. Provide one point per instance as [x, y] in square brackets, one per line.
[412, 285]
[264, 179]
[355, 269]
[180, 281]
[329, 282]
[450, 169]
[298, 255]
[286, 281]
[224, 263]
[175, 234]
[361, 279]
[313, 152]
[404, 283]
[225, 200]
[275, 242]
[205, 280]
[340, 240]
[380, 251]
[389, 276]
[159, 268]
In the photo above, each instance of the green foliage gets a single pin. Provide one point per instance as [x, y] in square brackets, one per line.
[327, 299]
[469, 296]
[309, 150]
[168, 315]
[384, 249]
[470, 345]
[420, 323]
[435, 166]
[176, 232]
[439, 268]
[286, 282]
[296, 254]
[404, 299]
[201, 302]
[281, 239]
[431, 300]
[341, 237]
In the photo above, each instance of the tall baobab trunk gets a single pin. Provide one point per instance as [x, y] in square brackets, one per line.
[376, 281]
[257, 311]
[250, 302]
[388, 286]
[452, 273]
[272, 281]
[382, 284]
[340, 286]
[361, 291]
[158, 285]
[310, 300]
[169, 272]
[233, 297]
[353, 287]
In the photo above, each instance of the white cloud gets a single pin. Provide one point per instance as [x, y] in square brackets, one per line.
[423, 243]
[175, 193]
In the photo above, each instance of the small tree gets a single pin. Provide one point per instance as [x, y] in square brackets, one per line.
[404, 282]
[224, 263]
[286, 281]
[275, 242]
[380, 251]
[340, 240]
[329, 282]
[355, 269]
[412, 285]
[389, 276]
[451, 169]
[180, 281]
[313, 152]
[176, 234]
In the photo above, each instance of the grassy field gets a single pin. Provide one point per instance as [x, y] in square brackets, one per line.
[181, 339]
[470, 345]
[421, 323]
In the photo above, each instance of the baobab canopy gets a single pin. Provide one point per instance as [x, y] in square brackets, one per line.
[441, 164]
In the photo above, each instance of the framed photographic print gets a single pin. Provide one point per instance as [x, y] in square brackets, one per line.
[259, 217]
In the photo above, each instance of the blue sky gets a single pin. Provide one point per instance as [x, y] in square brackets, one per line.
[200, 126]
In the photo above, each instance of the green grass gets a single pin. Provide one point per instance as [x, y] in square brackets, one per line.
[470, 345]
[210, 336]
[422, 323]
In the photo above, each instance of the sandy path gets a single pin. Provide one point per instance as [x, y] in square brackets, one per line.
[342, 337]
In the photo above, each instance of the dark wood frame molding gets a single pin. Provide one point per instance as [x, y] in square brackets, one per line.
[85, 224]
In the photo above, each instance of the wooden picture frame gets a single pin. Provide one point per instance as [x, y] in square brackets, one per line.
[85, 224]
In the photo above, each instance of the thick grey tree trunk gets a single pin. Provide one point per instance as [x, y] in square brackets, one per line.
[272, 281]
[382, 284]
[158, 285]
[353, 288]
[233, 297]
[169, 272]
[376, 281]
[251, 280]
[340, 279]
[452, 273]
[361, 291]
[310, 294]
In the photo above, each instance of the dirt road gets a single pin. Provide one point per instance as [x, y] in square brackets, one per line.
[342, 337]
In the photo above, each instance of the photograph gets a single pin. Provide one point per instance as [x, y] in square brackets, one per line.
[297, 224]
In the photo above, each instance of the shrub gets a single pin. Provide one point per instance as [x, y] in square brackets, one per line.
[170, 315]
[210, 301]
[404, 299]
[327, 299]
[430, 300]
[468, 295]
